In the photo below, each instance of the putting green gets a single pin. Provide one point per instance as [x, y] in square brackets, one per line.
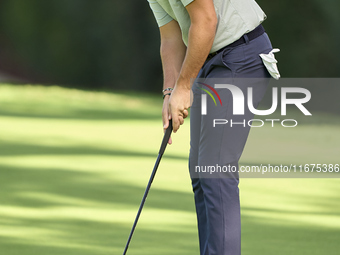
[74, 166]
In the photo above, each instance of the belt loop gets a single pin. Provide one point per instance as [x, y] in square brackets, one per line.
[246, 38]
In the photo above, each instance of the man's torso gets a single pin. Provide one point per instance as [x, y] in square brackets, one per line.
[235, 18]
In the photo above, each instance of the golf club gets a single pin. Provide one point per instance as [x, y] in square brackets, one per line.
[160, 154]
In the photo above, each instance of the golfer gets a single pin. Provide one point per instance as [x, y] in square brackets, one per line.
[211, 39]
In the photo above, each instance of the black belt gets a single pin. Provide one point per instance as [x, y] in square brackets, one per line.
[259, 30]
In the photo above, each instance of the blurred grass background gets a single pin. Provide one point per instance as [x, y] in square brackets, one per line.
[74, 166]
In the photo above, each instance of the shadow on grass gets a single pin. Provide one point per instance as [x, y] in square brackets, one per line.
[89, 114]
[26, 149]
[60, 103]
[63, 187]
[96, 239]
[62, 211]
[277, 237]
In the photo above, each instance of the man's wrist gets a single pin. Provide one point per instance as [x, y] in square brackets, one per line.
[167, 94]
[183, 83]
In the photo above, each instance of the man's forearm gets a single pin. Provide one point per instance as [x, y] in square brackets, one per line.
[201, 38]
[172, 55]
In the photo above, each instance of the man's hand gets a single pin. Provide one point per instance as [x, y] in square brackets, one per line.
[179, 104]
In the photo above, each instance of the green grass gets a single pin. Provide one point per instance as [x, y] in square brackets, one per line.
[74, 166]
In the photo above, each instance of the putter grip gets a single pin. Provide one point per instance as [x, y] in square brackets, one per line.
[166, 137]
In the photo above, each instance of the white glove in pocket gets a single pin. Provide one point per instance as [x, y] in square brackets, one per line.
[270, 62]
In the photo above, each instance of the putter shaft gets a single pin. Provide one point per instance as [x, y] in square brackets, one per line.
[159, 157]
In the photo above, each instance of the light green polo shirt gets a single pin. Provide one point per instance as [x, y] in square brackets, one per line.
[235, 18]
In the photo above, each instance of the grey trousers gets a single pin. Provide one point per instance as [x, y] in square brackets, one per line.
[217, 198]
